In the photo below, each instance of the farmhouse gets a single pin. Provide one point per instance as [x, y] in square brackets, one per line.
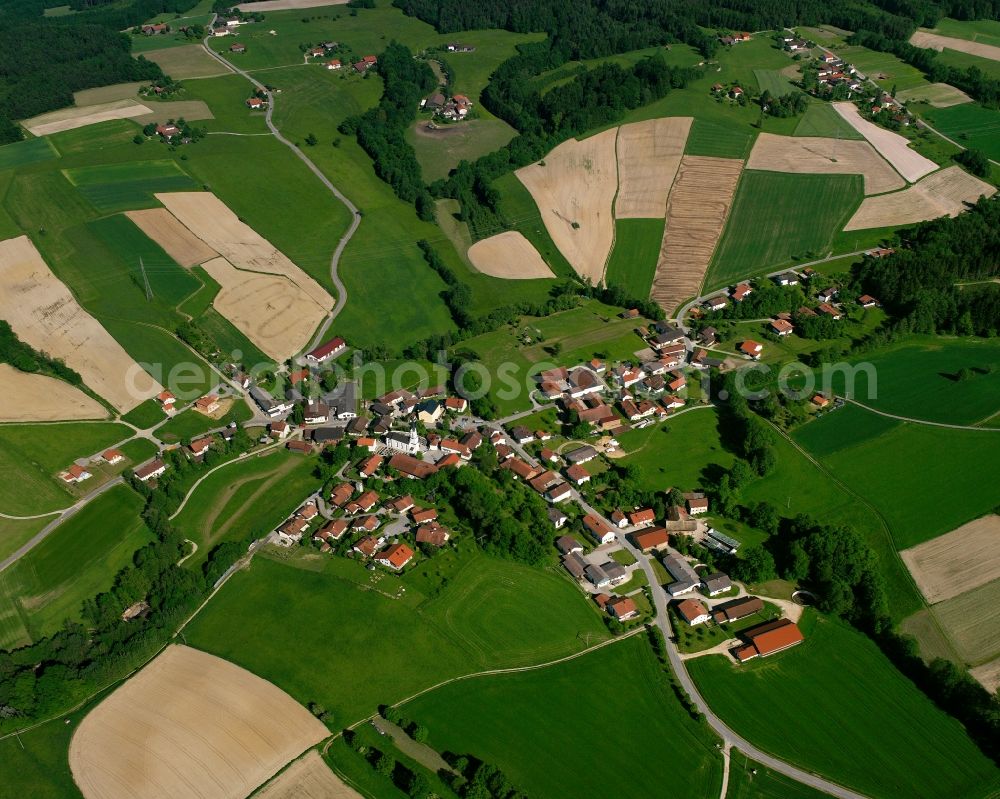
[167, 400]
[301, 447]
[781, 327]
[199, 446]
[557, 517]
[112, 456]
[568, 544]
[820, 401]
[774, 636]
[238, 48]
[330, 349]
[574, 564]
[685, 578]
[366, 63]
[577, 474]
[167, 131]
[651, 539]
[151, 470]
[752, 349]
[696, 505]
[828, 310]
[622, 608]
[411, 467]
[737, 609]
[433, 534]
[75, 474]
[268, 404]
[598, 529]
[334, 63]
[693, 612]
[396, 556]
[716, 583]
[787, 279]
[867, 301]
[742, 291]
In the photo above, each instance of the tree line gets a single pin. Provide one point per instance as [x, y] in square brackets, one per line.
[25, 358]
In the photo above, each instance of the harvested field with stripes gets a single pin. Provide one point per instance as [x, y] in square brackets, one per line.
[891, 146]
[945, 193]
[44, 314]
[574, 188]
[824, 156]
[934, 41]
[939, 95]
[307, 778]
[189, 724]
[956, 562]
[28, 397]
[175, 239]
[508, 255]
[74, 117]
[649, 154]
[697, 210]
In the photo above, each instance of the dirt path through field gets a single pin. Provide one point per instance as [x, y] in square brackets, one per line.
[697, 209]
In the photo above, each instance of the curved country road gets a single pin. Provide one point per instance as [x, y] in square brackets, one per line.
[911, 420]
[355, 213]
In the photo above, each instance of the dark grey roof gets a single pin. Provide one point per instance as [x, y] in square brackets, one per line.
[323, 434]
[581, 454]
[574, 564]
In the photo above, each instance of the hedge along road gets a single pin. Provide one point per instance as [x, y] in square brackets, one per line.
[355, 213]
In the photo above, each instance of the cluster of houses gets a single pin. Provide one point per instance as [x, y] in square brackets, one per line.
[758, 641]
[733, 92]
[226, 25]
[76, 474]
[832, 72]
[453, 108]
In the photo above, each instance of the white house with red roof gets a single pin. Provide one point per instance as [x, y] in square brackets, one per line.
[324, 352]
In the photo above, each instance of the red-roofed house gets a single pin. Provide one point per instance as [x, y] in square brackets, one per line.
[167, 400]
[623, 608]
[371, 465]
[112, 456]
[752, 349]
[207, 404]
[395, 557]
[782, 327]
[646, 516]
[774, 636]
[324, 352]
[75, 474]
[693, 612]
[697, 505]
[651, 539]
[578, 474]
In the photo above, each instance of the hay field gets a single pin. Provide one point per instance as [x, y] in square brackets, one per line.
[824, 156]
[191, 110]
[210, 219]
[189, 724]
[958, 561]
[988, 675]
[72, 118]
[939, 95]
[649, 154]
[307, 778]
[934, 41]
[175, 239]
[972, 622]
[577, 186]
[189, 61]
[270, 310]
[39, 398]
[285, 5]
[893, 147]
[943, 194]
[44, 314]
[105, 94]
[697, 209]
[508, 255]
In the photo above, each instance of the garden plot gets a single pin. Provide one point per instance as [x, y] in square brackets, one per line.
[307, 778]
[175, 239]
[276, 314]
[826, 156]
[893, 147]
[44, 314]
[189, 724]
[30, 397]
[697, 209]
[71, 118]
[508, 255]
[946, 193]
[210, 219]
[956, 562]
[934, 41]
[649, 154]
[574, 192]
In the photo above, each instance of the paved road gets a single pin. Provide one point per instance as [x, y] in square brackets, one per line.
[72, 510]
[355, 213]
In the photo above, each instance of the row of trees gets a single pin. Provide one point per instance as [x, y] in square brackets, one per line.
[25, 358]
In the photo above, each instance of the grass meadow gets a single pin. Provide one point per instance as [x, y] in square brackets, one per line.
[718, 140]
[248, 496]
[960, 60]
[972, 622]
[125, 186]
[25, 152]
[750, 780]
[773, 81]
[632, 264]
[439, 151]
[820, 119]
[226, 95]
[535, 718]
[885, 69]
[77, 561]
[817, 697]
[191, 423]
[36, 763]
[14, 532]
[777, 218]
[970, 124]
[32, 454]
[985, 31]
[384, 646]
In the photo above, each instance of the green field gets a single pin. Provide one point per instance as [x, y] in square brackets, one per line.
[191, 423]
[226, 95]
[820, 119]
[719, 140]
[815, 695]
[14, 532]
[751, 780]
[26, 152]
[885, 69]
[75, 562]
[633, 260]
[440, 150]
[536, 718]
[517, 205]
[985, 31]
[970, 124]
[777, 218]
[32, 454]
[970, 621]
[124, 186]
[248, 496]
[36, 763]
[385, 649]
[145, 415]
[773, 81]
[918, 500]
[960, 60]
